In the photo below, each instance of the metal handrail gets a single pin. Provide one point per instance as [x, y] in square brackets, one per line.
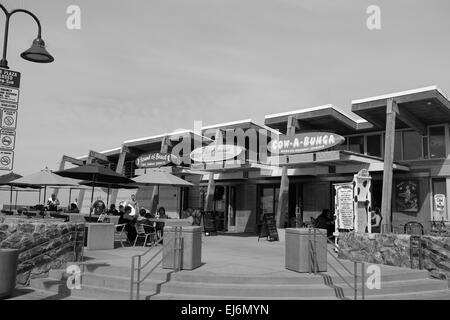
[313, 259]
[178, 243]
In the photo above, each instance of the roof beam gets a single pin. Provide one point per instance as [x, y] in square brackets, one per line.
[405, 116]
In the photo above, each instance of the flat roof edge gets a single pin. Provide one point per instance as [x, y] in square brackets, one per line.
[398, 94]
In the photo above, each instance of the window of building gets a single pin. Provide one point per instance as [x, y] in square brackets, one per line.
[397, 145]
[437, 142]
[374, 145]
[412, 145]
[356, 144]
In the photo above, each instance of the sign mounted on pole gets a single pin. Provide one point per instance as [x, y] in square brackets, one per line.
[9, 105]
[344, 206]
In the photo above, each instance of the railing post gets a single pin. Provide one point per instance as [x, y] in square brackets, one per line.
[315, 253]
[180, 251]
[132, 278]
[420, 254]
[355, 279]
[363, 280]
[138, 278]
[309, 251]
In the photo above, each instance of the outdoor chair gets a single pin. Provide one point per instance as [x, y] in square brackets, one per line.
[414, 228]
[120, 233]
[142, 233]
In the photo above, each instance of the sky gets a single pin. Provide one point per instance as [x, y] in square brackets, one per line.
[144, 67]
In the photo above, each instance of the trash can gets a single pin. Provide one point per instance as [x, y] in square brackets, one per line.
[8, 270]
[191, 247]
[297, 251]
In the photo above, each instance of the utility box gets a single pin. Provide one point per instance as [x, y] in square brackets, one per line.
[298, 249]
[99, 236]
[191, 248]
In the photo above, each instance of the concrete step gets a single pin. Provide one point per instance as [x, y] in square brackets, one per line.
[86, 291]
[295, 278]
[157, 274]
[166, 296]
[294, 290]
[424, 295]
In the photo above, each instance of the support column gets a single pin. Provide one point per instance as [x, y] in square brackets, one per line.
[82, 191]
[283, 197]
[155, 195]
[209, 201]
[386, 202]
[119, 169]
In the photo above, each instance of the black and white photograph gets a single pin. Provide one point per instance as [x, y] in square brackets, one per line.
[224, 156]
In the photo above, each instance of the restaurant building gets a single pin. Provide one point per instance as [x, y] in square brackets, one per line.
[401, 140]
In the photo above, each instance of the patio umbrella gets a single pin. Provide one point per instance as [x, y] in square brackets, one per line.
[158, 178]
[96, 174]
[109, 186]
[44, 178]
[6, 180]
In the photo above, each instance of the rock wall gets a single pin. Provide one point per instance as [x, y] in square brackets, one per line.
[42, 244]
[399, 250]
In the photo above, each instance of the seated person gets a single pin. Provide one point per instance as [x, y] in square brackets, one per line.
[52, 203]
[187, 215]
[98, 207]
[129, 221]
[325, 221]
[112, 210]
[73, 208]
[376, 220]
[197, 218]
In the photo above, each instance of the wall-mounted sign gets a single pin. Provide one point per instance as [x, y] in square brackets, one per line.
[439, 202]
[344, 206]
[304, 142]
[9, 104]
[156, 159]
[214, 153]
[407, 196]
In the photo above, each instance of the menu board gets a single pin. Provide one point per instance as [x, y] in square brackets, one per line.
[209, 223]
[269, 228]
[344, 206]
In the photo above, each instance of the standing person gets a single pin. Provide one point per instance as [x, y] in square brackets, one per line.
[134, 203]
[53, 203]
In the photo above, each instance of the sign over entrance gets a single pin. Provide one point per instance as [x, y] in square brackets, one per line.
[214, 153]
[156, 160]
[9, 104]
[304, 142]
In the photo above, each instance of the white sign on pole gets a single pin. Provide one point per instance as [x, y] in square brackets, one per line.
[9, 104]
[6, 160]
[344, 206]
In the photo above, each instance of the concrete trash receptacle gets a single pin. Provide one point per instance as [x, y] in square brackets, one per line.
[297, 253]
[8, 270]
[191, 247]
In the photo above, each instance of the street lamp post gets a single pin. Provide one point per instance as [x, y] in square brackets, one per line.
[37, 52]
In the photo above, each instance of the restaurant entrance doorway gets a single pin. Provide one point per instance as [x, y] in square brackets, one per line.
[225, 208]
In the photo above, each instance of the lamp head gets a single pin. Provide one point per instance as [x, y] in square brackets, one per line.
[37, 53]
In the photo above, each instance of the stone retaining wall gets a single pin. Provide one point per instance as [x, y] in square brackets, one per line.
[42, 244]
[395, 250]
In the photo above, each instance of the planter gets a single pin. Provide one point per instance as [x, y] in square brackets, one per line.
[8, 270]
